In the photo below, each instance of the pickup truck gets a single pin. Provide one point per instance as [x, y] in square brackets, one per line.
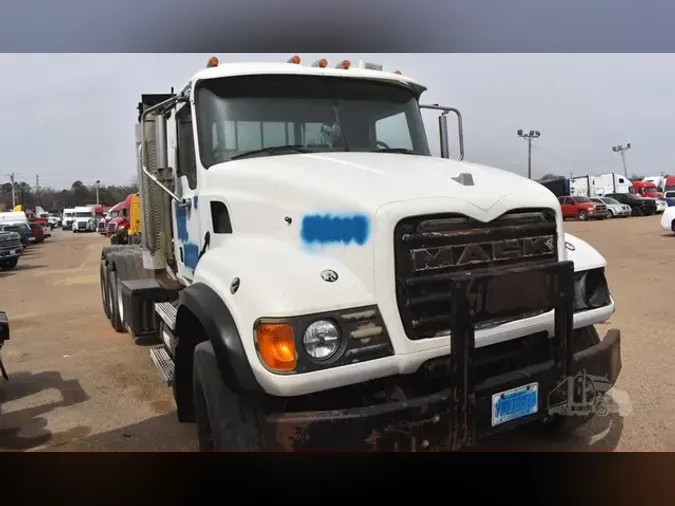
[582, 208]
[10, 249]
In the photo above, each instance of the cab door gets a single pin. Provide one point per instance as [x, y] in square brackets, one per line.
[186, 225]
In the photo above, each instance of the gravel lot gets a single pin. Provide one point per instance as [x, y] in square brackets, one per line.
[78, 385]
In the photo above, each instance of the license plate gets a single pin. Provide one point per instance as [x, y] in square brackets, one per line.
[12, 252]
[515, 403]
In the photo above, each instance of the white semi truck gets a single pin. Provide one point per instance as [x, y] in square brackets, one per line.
[316, 279]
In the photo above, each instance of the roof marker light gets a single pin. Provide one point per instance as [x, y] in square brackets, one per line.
[323, 63]
[398, 72]
[294, 59]
[213, 62]
[344, 64]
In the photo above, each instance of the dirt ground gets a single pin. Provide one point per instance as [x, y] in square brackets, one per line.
[78, 385]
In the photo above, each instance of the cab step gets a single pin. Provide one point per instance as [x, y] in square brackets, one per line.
[167, 312]
[164, 364]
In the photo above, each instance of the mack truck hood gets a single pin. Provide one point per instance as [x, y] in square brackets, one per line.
[364, 182]
[344, 206]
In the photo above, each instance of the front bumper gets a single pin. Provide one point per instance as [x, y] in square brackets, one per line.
[461, 414]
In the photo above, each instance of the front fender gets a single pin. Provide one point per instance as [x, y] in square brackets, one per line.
[584, 256]
[276, 279]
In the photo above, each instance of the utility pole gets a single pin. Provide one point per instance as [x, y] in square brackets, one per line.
[622, 149]
[98, 183]
[528, 136]
[11, 178]
[37, 189]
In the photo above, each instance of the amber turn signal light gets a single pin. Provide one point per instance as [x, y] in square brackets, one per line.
[276, 345]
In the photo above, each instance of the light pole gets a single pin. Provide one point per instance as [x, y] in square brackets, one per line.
[622, 149]
[528, 136]
[98, 183]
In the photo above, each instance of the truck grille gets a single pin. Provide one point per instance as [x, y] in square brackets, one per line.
[111, 228]
[428, 250]
[7, 245]
[600, 208]
[81, 225]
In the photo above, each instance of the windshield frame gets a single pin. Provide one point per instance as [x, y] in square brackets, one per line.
[324, 89]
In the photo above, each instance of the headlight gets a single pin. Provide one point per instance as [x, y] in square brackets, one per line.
[321, 339]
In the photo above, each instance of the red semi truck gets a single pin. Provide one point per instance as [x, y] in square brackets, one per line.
[119, 217]
[646, 189]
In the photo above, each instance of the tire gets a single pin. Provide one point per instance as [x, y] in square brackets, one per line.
[560, 425]
[104, 289]
[113, 305]
[9, 264]
[225, 421]
[582, 216]
[610, 213]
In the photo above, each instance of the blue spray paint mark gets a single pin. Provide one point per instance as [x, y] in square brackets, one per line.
[181, 223]
[196, 200]
[190, 255]
[327, 229]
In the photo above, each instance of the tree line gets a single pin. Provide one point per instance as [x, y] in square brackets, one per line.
[53, 200]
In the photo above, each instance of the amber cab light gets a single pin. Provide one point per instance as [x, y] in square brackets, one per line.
[276, 345]
[213, 62]
[344, 64]
[294, 59]
[323, 63]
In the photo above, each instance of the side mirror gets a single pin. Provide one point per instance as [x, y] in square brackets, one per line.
[443, 129]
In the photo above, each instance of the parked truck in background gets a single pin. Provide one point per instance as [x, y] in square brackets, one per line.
[599, 186]
[68, 218]
[84, 219]
[321, 280]
[125, 227]
[646, 189]
[113, 212]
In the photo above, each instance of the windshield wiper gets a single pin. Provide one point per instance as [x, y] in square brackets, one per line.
[273, 150]
[405, 151]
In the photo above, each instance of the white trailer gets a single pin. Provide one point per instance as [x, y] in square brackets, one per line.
[314, 276]
[598, 186]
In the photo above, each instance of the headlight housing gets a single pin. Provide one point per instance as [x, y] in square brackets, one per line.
[321, 340]
[591, 290]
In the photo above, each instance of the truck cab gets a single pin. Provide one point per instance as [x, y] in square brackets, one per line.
[84, 219]
[67, 219]
[319, 277]
[646, 189]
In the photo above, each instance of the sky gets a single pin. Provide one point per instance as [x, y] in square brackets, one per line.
[68, 117]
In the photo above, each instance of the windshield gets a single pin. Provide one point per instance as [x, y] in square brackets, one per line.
[669, 188]
[669, 195]
[67, 215]
[237, 115]
[582, 200]
[611, 201]
[84, 214]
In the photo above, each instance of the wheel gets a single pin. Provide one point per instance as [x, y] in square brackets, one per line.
[582, 216]
[557, 425]
[113, 305]
[225, 420]
[9, 264]
[602, 407]
[104, 289]
[610, 213]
